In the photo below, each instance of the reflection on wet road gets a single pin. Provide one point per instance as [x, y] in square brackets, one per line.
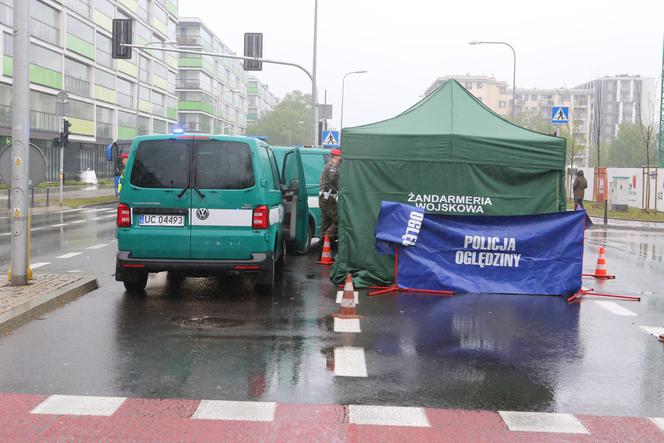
[214, 338]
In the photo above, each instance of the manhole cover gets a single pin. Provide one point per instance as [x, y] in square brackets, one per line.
[207, 322]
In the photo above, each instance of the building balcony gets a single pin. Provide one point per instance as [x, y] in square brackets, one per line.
[77, 86]
[189, 40]
[186, 83]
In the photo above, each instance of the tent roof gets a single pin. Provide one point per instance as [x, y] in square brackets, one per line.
[452, 125]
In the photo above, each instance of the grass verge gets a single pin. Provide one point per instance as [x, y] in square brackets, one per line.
[634, 214]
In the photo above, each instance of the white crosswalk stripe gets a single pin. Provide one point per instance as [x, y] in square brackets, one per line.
[100, 245]
[34, 266]
[615, 308]
[349, 362]
[69, 255]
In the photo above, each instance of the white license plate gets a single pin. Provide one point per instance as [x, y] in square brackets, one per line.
[161, 220]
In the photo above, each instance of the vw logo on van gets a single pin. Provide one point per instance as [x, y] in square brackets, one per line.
[202, 213]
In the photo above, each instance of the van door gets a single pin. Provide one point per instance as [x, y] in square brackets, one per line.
[296, 210]
[157, 192]
[224, 195]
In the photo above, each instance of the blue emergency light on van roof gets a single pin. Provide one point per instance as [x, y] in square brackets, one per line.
[177, 130]
[260, 137]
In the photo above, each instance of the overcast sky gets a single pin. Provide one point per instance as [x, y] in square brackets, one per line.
[406, 45]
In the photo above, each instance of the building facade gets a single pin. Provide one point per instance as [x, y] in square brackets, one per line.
[259, 99]
[211, 91]
[70, 50]
[493, 93]
[620, 99]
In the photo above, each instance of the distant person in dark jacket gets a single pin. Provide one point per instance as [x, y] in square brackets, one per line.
[579, 187]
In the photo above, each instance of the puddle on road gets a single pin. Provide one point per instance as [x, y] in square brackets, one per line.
[207, 322]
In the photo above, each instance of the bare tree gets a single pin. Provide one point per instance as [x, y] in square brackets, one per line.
[596, 127]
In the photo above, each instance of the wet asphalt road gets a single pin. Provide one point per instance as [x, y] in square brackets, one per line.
[215, 339]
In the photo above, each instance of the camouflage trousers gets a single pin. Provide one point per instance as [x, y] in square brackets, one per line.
[329, 218]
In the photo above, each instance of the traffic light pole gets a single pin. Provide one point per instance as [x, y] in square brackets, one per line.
[314, 114]
[20, 145]
[62, 164]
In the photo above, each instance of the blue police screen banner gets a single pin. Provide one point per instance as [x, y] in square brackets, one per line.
[530, 254]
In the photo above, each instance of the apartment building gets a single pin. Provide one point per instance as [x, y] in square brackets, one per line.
[538, 103]
[493, 93]
[70, 50]
[620, 99]
[259, 99]
[211, 91]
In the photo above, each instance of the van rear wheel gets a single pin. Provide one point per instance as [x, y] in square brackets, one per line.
[138, 284]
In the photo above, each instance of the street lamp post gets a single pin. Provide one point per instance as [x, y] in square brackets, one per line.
[343, 84]
[314, 87]
[476, 42]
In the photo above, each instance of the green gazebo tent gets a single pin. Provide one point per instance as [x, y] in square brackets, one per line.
[449, 154]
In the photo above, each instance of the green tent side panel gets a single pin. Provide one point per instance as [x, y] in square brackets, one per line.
[450, 155]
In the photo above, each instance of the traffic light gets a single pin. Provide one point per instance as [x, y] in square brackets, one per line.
[121, 36]
[253, 47]
[65, 132]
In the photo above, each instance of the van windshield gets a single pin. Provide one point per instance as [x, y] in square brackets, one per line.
[161, 164]
[223, 165]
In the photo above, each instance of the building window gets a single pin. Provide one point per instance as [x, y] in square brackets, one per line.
[77, 78]
[143, 11]
[159, 127]
[480, 85]
[82, 110]
[145, 69]
[125, 93]
[79, 29]
[104, 51]
[501, 104]
[143, 126]
[42, 112]
[144, 93]
[45, 58]
[104, 79]
[104, 122]
[143, 34]
[469, 86]
[533, 97]
[126, 119]
[7, 12]
[158, 101]
[44, 23]
[105, 7]
[80, 6]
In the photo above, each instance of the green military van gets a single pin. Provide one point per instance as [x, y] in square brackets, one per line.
[313, 161]
[201, 205]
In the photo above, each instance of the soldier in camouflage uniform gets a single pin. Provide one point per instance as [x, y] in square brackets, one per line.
[327, 198]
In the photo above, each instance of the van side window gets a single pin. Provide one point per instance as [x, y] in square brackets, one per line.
[275, 169]
[161, 164]
[223, 165]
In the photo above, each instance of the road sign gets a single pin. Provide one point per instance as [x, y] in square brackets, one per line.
[37, 165]
[330, 138]
[560, 114]
[324, 111]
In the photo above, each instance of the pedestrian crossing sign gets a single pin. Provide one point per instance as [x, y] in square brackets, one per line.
[330, 138]
[560, 114]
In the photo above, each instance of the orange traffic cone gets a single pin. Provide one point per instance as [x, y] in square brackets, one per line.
[347, 309]
[326, 257]
[600, 269]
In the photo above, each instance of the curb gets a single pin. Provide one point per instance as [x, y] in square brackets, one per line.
[597, 226]
[22, 314]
